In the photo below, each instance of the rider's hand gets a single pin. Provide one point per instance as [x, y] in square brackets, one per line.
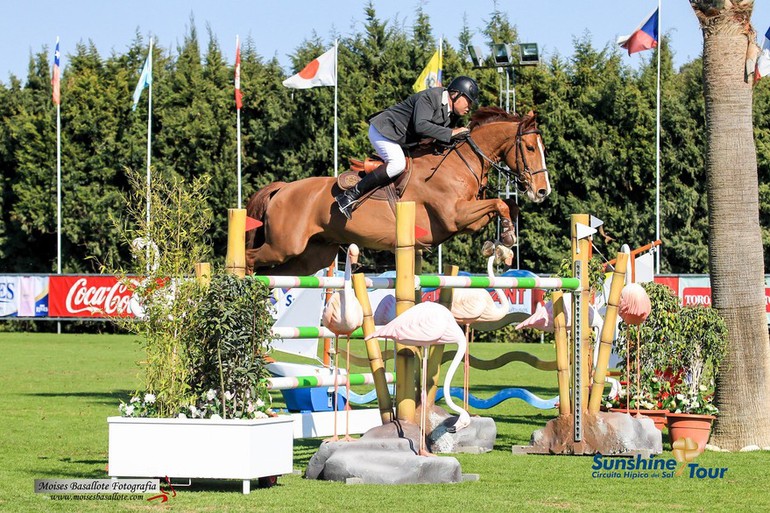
[460, 133]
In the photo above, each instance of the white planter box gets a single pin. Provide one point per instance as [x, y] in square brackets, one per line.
[201, 448]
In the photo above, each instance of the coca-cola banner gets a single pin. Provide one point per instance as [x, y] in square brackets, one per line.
[88, 296]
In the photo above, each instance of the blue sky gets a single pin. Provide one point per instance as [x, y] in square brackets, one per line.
[278, 27]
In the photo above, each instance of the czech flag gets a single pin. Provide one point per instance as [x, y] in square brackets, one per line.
[762, 68]
[645, 37]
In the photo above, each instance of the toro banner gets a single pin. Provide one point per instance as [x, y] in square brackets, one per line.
[88, 296]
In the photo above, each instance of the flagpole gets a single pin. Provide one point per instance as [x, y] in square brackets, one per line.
[441, 82]
[336, 81]
[149, 137]
[238, 131]
[657, 149]
[58, 187]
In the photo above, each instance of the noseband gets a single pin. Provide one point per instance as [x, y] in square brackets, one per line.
[525, 176]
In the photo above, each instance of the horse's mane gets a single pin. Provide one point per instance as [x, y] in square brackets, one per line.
[486, 115]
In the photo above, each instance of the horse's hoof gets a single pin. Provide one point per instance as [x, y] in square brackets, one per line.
[508, 239]
[488, 249]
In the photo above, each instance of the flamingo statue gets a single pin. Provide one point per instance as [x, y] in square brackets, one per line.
[470, 306]
[427, 324]
[343, 315]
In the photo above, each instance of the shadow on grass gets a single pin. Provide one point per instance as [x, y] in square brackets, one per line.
[110, 398]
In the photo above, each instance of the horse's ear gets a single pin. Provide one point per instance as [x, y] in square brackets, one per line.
[529, 120]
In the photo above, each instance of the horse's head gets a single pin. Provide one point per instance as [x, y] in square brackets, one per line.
[521, 149]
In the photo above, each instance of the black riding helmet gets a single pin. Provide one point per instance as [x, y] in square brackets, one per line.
[465, 86]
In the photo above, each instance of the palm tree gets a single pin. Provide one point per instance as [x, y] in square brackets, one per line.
[735, 246]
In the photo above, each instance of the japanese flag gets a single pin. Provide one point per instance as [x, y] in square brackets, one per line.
[320, 72]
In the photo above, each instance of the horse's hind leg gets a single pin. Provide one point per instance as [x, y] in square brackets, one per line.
[315, 257]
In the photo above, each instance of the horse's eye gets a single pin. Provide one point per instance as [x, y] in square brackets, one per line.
[530, 147]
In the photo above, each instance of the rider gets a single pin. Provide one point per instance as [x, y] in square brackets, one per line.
[429, 113]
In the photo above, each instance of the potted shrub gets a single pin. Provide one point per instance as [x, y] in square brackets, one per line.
[204, 409]
[699, 357]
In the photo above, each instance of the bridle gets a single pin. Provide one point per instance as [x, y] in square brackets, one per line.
[523, 178]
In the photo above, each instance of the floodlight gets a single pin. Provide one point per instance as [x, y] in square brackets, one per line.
[477, 57]
[502, 53]
[528, 54]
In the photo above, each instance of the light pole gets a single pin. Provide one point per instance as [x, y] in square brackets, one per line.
[503, 60]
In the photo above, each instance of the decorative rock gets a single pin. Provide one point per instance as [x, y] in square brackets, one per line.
[751, 448]
[605, 433]
[715, 448]
[477, 438]
[381, 461]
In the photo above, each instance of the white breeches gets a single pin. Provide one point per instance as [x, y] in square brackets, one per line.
[389, 151]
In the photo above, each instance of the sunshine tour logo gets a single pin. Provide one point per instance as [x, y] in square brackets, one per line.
[639, 467]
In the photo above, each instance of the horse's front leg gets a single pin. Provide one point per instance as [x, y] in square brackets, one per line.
[474, 215]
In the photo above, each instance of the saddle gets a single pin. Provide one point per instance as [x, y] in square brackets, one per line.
[391, 192]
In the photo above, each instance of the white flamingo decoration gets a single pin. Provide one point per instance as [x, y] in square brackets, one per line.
[470, 306]
[427, 324]
[343, 315]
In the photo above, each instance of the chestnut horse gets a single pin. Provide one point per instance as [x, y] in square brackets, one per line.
[303, 228]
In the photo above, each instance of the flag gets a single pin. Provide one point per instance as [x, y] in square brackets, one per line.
[763, 61]
[320, 72]
[431, 75]
[145, 80]
[645, 37]
[238, 96]
[56, 71]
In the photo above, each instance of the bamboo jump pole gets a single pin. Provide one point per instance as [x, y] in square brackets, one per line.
[562, 351]
[608, 333]
[373, 351]
[405, 355]
[581, 335]
[235, 262]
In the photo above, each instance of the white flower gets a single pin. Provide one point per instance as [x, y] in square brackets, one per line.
[695, 404]
[182, 416]
[129, 411]
[702, 388]
[249, 407]
[122, 407]
[260, 403]
[680, 397]
[654, 379]
[149, 398]
[248, 394]
[134, 399]
[229, 395]
[608, 405]
[260, 415]
[210, 395]
[193, 410]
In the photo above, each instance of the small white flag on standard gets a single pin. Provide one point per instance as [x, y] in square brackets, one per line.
[319, 72]
[763, 61]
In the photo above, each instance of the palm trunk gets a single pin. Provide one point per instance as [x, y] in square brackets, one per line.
[735, 245]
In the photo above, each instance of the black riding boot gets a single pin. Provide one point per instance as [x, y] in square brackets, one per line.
[347, 199]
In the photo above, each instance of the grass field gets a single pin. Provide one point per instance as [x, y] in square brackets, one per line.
[56, 392]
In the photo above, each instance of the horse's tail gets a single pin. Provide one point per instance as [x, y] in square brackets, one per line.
[256, 209]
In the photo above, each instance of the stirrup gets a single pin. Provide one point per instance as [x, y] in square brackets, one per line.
[347, 207]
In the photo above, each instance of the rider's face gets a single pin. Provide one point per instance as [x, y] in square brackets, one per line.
[461, 105]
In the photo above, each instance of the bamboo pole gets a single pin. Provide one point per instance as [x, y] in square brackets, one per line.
[376, 365]
[581, 348]
[203, 273]
[562, 351]
[405, 355]
[235, 262]
[608, 333]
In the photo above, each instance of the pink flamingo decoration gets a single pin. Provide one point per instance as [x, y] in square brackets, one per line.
[427, 324]
[470, 306]
[634, 309]
[343, 315]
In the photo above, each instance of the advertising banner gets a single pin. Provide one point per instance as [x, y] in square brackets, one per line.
[23, 296]
[89, 297]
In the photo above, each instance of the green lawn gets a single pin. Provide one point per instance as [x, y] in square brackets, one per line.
[56, 392]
